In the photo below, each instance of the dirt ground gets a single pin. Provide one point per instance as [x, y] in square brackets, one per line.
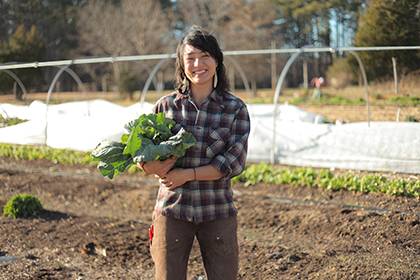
[97, 229]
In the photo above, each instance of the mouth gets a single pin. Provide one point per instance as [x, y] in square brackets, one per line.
[199, 72]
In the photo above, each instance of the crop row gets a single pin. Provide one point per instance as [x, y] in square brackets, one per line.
[326, 179]
[253, 174]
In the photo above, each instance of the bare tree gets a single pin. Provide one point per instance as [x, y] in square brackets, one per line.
[130, 27]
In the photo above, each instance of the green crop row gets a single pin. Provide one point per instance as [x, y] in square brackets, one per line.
[404, 100]
[253, 174]
[268, 174]
[61, 156]
[326, 99]
[28, 152]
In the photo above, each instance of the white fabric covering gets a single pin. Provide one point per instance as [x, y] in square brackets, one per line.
[302, 139]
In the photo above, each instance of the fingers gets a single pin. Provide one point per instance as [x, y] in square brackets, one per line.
[159, 168]
[166, 182]
[145, 169]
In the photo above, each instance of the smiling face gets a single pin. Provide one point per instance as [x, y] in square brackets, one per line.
[199, 66]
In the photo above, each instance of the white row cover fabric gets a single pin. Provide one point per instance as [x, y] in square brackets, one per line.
[301, 137]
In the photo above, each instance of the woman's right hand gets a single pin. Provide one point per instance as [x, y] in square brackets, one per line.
[157, 167]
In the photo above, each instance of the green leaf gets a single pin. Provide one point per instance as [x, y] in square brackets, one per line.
[153, 152]
[124, 138]
[106, 169]
[134, 142]
[180, 142]
[107, 149]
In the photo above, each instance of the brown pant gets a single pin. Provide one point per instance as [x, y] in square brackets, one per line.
[173, 240]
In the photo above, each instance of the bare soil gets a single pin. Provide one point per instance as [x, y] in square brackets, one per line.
[97, 229]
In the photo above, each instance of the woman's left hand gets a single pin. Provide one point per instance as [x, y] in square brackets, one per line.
[175, 178]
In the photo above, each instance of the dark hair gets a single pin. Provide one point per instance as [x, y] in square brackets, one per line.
[203, 40]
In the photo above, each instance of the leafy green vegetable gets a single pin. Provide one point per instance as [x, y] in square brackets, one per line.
[111, 159]
[149, 137]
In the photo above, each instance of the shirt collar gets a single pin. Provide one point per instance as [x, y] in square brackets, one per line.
[215, 96]
[218, 98]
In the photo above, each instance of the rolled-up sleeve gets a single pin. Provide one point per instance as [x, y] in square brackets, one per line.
[232, 161]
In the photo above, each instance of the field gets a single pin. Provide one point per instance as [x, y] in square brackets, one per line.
[98, 229]
[285, 232]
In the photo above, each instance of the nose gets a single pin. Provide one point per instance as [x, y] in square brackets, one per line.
[196, 62]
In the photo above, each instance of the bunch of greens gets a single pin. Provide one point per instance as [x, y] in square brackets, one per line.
[149, 137]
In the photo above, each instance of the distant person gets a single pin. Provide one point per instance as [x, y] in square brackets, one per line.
[317, 82]
[195, 199]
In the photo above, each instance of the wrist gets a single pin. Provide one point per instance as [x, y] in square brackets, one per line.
[192, 174]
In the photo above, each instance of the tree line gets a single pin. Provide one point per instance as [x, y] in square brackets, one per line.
[34, 30]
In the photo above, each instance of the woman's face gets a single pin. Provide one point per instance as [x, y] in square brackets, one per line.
[200, 66]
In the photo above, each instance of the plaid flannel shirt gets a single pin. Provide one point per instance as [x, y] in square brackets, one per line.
[221, 127]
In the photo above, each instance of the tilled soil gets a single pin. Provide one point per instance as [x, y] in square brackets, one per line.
[95, 228]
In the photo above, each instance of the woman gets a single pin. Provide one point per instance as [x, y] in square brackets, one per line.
[195, 197]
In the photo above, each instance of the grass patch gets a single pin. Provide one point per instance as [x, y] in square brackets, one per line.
[9, 121]
[308, 177]
[326, 99]
[404, 100]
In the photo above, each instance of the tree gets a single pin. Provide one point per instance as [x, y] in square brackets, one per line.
[55, 22]
[138, 27]
[389, 23]
[317, 23]
[4, 21]
[309, 22]
[23, 46]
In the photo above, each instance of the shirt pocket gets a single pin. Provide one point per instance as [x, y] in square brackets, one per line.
[216, 141]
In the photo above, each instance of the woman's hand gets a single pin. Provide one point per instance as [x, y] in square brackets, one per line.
[177, 177]
[157, 167]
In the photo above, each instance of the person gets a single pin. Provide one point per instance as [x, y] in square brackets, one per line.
[195, 199]
[317, 82]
